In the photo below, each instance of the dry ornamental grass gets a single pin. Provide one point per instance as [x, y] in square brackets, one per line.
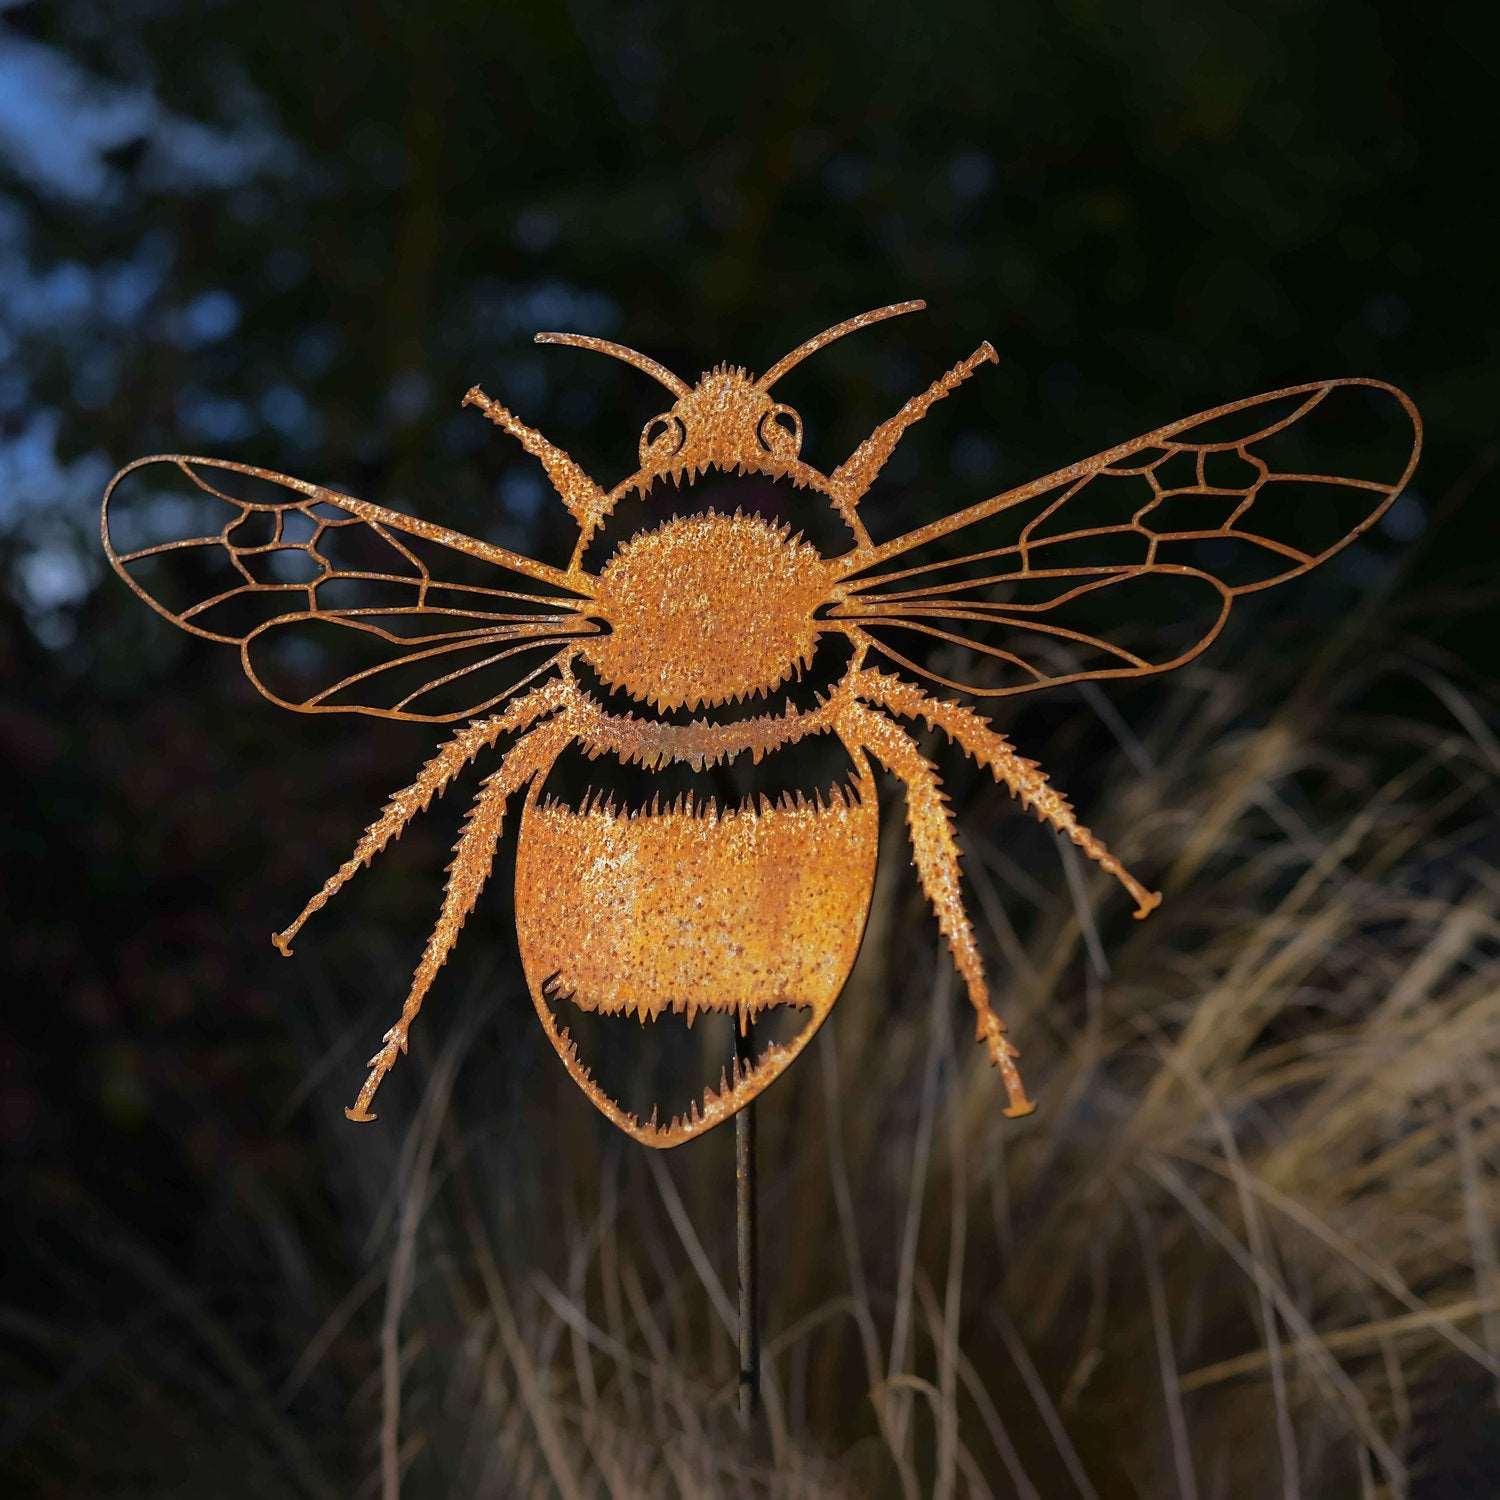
[1245, 1247]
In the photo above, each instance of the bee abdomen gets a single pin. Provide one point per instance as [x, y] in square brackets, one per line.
[817, 769]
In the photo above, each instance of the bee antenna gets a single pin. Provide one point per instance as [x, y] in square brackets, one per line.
[818, 341]
[634, 357]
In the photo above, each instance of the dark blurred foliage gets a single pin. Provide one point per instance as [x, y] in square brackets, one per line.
[296, 234]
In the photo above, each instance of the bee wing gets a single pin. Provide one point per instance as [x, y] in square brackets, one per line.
[336, 605]
[1128, 563]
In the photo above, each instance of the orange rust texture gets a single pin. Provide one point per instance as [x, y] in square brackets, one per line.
[586, 502]
[678, 599]
[432, 781]
[648, 742]
[733, 910]
[858, 472]
[473, 856]
[935, 850]
[1024, 778]
[672, 910]
[676, 912]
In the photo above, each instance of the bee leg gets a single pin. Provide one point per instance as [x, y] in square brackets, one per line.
[575, 489]
[936, 852]
[995, 753]
[432, 781]
[857, 473]
[474, 854]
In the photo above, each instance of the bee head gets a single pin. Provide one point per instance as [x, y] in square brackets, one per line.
[728, 421]
[725, 422]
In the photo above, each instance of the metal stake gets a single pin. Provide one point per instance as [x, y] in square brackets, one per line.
[746, 1238]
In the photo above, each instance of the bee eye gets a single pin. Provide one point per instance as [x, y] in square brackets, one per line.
[662, 437]
[780, 432]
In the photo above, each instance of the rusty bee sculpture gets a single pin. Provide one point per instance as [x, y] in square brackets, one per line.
[666, 910]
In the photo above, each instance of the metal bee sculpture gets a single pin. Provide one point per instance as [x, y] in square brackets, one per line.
[681, 647]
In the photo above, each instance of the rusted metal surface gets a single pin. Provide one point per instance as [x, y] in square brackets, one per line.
[664, 912]
[678, 598]
[747, 1239]
[667, 915]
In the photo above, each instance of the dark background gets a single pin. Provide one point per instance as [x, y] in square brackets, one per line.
[296, 234]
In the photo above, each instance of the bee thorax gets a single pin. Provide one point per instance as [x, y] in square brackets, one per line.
[707, 608]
